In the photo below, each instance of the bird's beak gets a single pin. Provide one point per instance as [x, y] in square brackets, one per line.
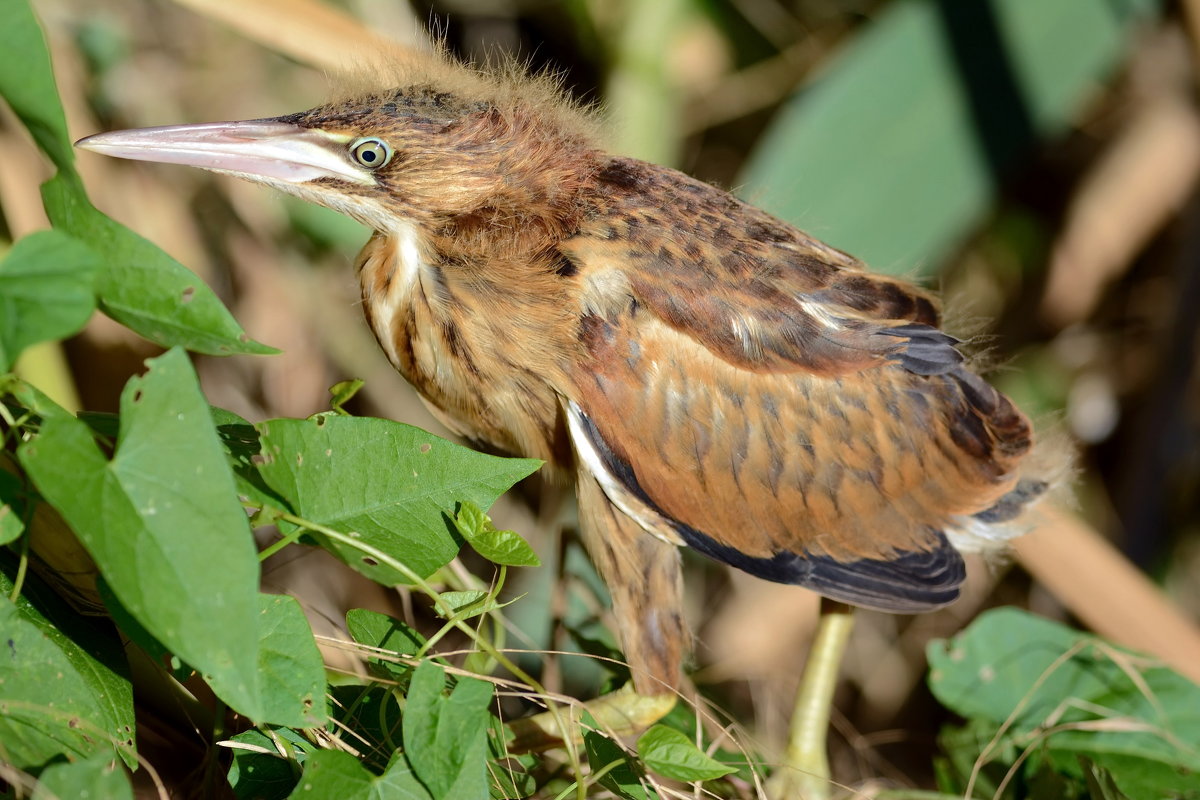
[266, 150]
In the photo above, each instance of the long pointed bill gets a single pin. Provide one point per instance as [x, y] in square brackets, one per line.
[263, 149]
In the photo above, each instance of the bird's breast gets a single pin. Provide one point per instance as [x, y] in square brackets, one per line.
[483, 364]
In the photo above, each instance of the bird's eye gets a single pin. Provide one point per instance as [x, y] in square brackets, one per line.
[371, 153]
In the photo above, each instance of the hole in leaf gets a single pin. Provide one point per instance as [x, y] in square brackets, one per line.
[188, 294]
[370, 562]
[137, 396]
[425, 448]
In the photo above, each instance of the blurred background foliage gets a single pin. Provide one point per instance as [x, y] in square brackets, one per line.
[1035, 161]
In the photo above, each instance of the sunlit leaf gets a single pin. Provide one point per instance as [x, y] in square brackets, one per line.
[1010, 665]
[60, 686]
[27, 82]
[445, 737]
[673, 755]
[380, 631]
[163, 523]
[500, 547]
[46, 291]
[142, 287]
[385, 484]
[291, 673]
[138, 284]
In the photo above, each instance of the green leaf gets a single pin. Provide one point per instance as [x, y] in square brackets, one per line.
[332, 773]
[1009, 663]
[27, 81]
[445, 738]
[40, 721]
[897, 146]
[60, 688]
[673, 755]
[142, 287]
[499, 547]
[270, 775]
[386, 633]
[163, 523]
[98, 776]
[623, 779]
[291, 673]
[385, 484]
[138, 284]
[400, 782]
[45, 291]
[471, 603]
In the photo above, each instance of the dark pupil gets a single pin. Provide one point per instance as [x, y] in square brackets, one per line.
[368, 155]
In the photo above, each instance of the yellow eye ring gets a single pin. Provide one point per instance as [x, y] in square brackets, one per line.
[371, 153]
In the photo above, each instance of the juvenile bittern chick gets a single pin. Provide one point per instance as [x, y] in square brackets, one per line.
[713, 377]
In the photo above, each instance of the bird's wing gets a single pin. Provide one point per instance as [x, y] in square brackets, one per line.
[759, 397]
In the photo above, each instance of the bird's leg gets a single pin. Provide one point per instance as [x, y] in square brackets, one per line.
[645, 577]
[805, 771]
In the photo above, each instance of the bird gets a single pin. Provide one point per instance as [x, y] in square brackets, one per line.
[709, 376]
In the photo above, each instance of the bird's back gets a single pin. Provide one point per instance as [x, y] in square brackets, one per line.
[761, 397]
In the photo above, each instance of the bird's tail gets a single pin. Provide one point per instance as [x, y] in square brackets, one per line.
[1044, 472]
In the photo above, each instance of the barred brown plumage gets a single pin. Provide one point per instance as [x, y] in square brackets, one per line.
[712, 376]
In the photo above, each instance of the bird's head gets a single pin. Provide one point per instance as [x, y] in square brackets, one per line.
[456, 164]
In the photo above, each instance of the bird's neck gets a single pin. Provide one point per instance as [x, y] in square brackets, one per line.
[478, 338]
